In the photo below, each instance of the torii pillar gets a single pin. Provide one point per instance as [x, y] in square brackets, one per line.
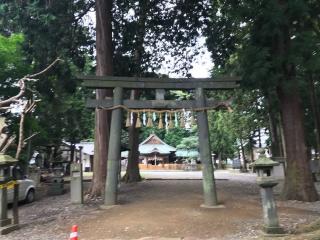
[208, 181]
[114, 154]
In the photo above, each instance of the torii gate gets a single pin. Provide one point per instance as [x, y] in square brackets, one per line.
[201, 104]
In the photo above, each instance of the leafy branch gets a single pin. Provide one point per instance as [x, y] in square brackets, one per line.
[29, 106]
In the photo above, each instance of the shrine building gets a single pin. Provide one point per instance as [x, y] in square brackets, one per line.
[154, 151]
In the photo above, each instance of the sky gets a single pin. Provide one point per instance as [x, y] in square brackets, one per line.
[202, 64]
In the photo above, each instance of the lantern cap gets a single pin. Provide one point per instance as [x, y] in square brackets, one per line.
[7, 160]
[264, 161]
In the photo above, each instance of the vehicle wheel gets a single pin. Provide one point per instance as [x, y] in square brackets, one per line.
[30, 196]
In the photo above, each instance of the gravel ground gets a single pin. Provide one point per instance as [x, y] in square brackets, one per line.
[163, 208]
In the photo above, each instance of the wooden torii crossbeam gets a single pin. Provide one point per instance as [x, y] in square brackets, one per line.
[160, 83]
[157, 83]
[200, 105]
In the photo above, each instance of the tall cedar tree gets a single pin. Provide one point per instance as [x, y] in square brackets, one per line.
[104, 67]
[268, 39]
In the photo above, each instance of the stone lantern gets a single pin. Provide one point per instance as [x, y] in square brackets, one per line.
[264, 168]
[6, 162]
[6, 224]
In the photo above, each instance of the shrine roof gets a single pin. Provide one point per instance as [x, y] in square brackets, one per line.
[153, 144]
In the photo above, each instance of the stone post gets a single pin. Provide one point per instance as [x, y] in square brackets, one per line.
[4, 220]
[76, 184]
[15, 207]
[6, 179]
[270, 216]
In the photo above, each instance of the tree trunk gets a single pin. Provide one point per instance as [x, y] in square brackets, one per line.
[239, 154]
[298, 183]
[104, 66]
[259, 138]
[244, 169]
[283, 140]
[316, 114]
[132, 171]
[276, 140]
[72, 148]
[251, 150]
[5, 138]
[220, 160]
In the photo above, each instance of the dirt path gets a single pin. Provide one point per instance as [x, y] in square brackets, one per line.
[170, 209]
[161, 209]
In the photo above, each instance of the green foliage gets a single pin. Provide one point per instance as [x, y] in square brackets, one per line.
[53, 29]
[247, 118]
[175, 135]
[271, 44]
[145, 132]
[253, 32]
[12, 65]
[222, 135]
[189, 143]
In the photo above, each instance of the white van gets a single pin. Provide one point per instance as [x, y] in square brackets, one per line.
[27, 191]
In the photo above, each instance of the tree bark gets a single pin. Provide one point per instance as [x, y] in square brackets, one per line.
[276, 140]
[298, 183]
[283, 140]
[244, 169]
[316, 114]
[4, 141]
[251, 146]
[220, 160]
[104, 66]
[259, 138]
[72, 148]
[132, 171]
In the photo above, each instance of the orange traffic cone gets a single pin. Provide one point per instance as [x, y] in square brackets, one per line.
[74, 233]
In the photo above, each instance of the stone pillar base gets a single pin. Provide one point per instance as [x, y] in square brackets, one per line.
[106, 207]
[5, 222]
[273, 230]
[8, 229]
[213, 206]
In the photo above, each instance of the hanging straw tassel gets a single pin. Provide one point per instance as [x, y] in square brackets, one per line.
[149, 122]
[192, 120]
[171, 125]
[128, 122]
[160, 122]
[144, 119]
[176, 119]
[166, 120]
[182, 123]
[138, 123]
